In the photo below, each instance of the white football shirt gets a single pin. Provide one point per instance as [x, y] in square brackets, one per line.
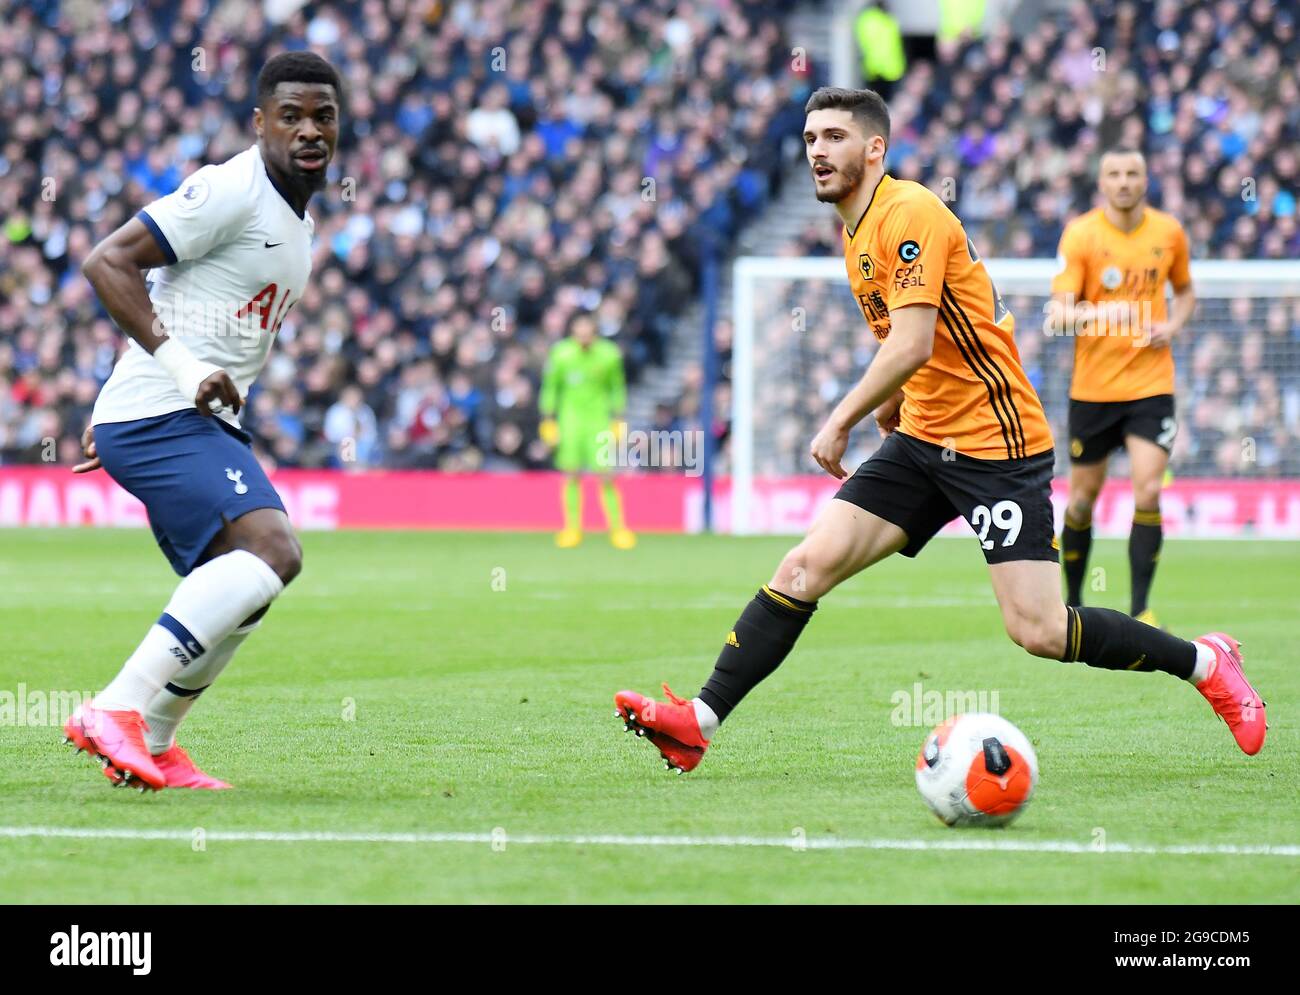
[238, 260]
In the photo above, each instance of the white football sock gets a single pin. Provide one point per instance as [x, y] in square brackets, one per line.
[706, 717]
[1204, 661]
[207, 607]
[169, 706]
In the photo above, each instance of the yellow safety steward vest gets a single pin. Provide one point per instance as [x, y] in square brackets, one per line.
[956, 16]
[881, 44]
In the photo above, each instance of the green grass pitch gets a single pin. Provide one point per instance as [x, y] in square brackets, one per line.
[462, 683]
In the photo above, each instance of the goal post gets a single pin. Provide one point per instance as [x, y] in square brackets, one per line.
[800, 342]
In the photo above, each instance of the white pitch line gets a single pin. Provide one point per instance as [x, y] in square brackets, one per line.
[578, 839]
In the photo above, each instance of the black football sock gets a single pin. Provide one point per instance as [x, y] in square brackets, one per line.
[1076, 541]
[1143, 552]
[764, 634]
[1111, 640]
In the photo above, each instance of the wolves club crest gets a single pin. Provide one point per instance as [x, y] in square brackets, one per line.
[866, 267]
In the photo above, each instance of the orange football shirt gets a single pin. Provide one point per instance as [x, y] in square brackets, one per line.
[972, 394]
[1099, 264]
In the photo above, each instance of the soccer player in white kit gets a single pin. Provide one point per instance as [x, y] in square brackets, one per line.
[228, 255]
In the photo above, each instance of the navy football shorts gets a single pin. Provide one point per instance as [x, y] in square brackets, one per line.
[193, 475]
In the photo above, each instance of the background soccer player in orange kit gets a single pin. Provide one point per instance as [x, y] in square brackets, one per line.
[1110, 293]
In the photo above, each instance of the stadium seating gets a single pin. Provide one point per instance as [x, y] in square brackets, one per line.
[508, 164]
[501, 159]
[1025, 165]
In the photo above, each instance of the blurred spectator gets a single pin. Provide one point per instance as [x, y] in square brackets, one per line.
[504, 164]
[1210, 91]
[500, 166]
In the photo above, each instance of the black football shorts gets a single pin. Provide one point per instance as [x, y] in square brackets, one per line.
[1098, 428]
[921, 487]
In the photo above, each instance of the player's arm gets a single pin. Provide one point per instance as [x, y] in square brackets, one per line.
[889, 414]
[548, 400]
[115, 268]
[1063, 312]
[1162, 333]
[906, 350]
[1068, 313]
[617, 387]
[1184, 303]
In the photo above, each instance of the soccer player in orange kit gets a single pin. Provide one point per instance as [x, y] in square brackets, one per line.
[964, 434]
[1117, 259]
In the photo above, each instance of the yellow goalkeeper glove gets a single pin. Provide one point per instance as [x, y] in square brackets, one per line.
[549, 432]
[618, 428]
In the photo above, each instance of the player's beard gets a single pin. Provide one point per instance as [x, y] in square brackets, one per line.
[1127, 201]
[313, 182]
[309, 181]
[850, 176]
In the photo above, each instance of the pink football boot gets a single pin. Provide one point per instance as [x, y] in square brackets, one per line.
[1228, 691]
[116, 739]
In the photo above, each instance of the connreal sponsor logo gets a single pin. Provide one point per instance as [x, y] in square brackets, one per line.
[102, 949]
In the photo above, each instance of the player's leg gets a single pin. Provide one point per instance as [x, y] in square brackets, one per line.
[844, 540]
[887, 506]
[259, 557]
[570, 460]
[1095, 432]
[574, 456]
[1086, 480]
[611, 503]
[600, 455]
[169, 707]
[571, 502]
[1036, 619]
[1008, 503]
[267, 534]
[195, 478]
[1147, 443]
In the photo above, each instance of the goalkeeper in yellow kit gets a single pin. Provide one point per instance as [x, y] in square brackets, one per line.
[582, 401]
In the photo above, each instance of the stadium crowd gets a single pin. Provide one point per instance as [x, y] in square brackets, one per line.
[1209, 92]
[1238, 379]
[500, 166]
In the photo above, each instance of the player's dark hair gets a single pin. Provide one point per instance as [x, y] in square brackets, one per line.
[867, 107]
[578, 316]
[296, 67]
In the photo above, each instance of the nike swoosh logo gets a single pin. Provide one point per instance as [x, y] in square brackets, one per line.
[271, 245]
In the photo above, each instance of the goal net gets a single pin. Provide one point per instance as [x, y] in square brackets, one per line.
[800, 342]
